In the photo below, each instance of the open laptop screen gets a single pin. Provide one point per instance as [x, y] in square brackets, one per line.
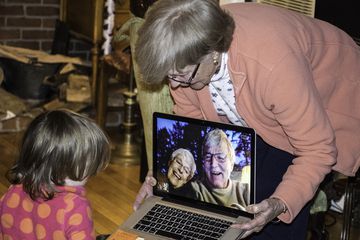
[204, 162]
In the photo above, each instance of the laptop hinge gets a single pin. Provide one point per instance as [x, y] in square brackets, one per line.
[203, 206]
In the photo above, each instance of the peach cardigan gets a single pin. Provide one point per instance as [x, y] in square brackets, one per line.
[297, 83]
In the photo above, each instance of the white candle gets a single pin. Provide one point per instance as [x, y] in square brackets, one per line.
[108, 26]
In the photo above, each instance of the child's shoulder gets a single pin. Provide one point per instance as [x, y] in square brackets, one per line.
[13, 195]
[14, 190]
[71, 199]
[71, 193]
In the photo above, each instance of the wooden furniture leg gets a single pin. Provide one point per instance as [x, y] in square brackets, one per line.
[100, 93]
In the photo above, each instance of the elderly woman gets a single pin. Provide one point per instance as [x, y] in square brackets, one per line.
[182, 168]
[294, 79]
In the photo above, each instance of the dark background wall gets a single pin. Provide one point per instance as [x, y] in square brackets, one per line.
[31, 24]
[344, 14]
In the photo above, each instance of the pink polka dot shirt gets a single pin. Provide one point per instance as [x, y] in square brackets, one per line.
[66, 216]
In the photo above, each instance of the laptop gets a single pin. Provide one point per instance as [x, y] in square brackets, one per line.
[189, 201]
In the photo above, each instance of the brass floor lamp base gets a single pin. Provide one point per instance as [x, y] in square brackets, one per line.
[128, 150]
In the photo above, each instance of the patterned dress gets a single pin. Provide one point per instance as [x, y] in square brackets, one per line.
[66, 216]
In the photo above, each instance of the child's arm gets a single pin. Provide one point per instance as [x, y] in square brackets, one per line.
[79, 222]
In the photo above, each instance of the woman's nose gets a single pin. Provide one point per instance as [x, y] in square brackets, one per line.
[213, 161]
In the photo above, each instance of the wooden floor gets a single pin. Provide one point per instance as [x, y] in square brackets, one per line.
[112, 194]
[113, 191]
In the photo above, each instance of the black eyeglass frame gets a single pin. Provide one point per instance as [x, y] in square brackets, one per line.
[188, 82]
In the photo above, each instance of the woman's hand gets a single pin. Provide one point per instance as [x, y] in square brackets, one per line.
[145, 191]
[264, 212]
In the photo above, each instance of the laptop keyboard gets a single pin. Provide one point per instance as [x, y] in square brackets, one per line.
[179, 224]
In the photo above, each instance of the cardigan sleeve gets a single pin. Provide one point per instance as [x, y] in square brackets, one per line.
[291, 95]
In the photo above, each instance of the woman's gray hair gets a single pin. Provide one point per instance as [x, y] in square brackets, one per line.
[177, 33]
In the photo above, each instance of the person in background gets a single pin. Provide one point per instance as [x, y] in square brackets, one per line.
[293, 78]
[46, 200]
[218, 158]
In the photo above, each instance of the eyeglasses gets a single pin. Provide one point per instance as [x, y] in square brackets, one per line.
[219, 157]
[181, 166]
[188, 82]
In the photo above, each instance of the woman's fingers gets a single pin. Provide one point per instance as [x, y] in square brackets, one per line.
[145, 191]
[264, 212]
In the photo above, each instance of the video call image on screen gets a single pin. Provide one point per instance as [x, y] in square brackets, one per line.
[204, 163]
